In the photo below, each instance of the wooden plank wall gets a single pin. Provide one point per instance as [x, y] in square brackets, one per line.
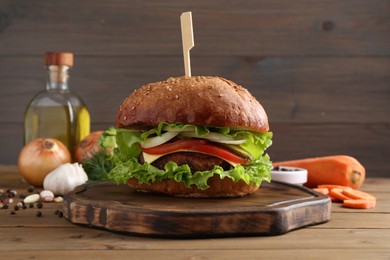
[320, 68]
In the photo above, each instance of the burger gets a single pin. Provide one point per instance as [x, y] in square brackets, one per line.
[197, 136]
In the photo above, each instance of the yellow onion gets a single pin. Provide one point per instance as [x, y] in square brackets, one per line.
[41, 156]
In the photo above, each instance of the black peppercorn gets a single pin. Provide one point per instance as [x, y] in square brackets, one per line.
[30, 189]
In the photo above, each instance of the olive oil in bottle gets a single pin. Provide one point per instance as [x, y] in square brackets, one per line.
[57, 112]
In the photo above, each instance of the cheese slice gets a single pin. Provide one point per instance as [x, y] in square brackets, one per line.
[149, 158]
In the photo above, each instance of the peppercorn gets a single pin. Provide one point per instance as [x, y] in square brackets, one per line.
[12, 193]
[39, 214]
[30, 189]
[40, 205]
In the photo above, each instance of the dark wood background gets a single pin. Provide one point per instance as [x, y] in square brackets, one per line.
[320, 68]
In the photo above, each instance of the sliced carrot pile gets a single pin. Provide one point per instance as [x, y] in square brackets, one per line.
[350, 197]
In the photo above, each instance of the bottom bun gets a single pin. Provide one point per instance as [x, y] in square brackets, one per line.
[218, 188]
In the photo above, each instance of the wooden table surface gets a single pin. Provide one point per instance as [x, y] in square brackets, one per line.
[350, 234]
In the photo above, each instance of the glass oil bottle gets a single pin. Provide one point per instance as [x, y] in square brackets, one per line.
[56, 112]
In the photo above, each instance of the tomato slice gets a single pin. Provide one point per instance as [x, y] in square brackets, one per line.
[196, 145]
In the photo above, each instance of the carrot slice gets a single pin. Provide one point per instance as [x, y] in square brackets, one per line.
[338, 194]
[324, 191]
[332, 186]
[357, 194]
[359, 203]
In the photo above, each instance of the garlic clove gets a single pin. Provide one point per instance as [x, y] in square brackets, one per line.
[58, 199]
[31, 198]
[47, 195]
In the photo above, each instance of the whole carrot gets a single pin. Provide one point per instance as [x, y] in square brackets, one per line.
[336, 169]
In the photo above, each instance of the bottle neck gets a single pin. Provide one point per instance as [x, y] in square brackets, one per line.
[57, 78]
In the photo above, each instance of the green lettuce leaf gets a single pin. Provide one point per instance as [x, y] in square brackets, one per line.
[146, 173]
[199, 130]
[121, 144]
[256, 143]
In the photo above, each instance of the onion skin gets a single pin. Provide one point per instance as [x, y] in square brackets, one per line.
[41, 156]
[88, 146]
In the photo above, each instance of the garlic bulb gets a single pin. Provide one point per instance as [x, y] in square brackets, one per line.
[65, 178]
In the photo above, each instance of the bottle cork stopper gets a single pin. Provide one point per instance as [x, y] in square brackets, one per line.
[59, 58]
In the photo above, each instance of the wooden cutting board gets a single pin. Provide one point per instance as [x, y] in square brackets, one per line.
[274, 209]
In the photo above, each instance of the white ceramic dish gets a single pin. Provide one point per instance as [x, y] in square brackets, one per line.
[292, 175]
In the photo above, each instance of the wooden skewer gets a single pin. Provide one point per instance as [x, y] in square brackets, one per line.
[187, 36]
